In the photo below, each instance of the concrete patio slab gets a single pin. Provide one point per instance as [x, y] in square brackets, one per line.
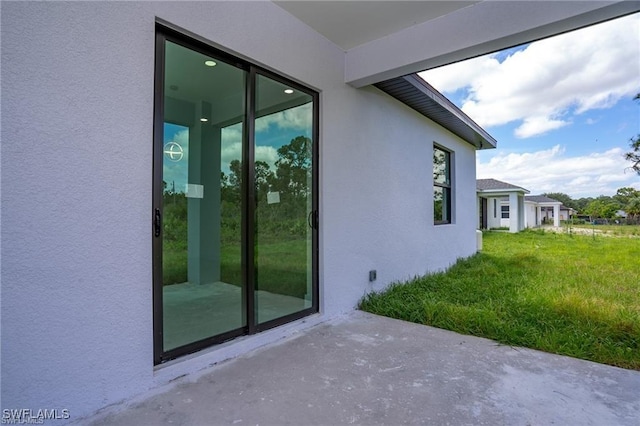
[367, 369]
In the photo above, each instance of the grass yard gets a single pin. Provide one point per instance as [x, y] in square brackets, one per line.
[575, 295]
[281, 267]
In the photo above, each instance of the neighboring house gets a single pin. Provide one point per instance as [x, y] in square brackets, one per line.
[540, 209]
[144, 227]
[500, 202]
[500, 205]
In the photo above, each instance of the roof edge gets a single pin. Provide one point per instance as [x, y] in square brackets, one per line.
[502, 191]
[431, 91]
[415, 92]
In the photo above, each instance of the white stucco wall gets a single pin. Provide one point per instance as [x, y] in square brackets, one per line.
[77, 116]
[530, 215]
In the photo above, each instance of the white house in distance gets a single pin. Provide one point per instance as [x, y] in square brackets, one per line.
[183, 182]
[540, 209]
[499, 203]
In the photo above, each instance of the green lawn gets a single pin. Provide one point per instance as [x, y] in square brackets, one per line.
[575, 295]
[280, 266]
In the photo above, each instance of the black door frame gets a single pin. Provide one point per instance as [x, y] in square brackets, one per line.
[168, 32]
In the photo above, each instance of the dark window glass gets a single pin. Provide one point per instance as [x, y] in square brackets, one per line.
[441, 186]
[505, 212]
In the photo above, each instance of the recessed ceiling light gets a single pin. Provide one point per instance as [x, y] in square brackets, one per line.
[204, 120]
[288, 91]
[210, 63]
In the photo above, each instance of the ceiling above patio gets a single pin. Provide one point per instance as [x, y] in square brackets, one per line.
[388, 39]
[351, 23]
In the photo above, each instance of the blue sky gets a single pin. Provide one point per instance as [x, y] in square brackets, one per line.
[560, 108]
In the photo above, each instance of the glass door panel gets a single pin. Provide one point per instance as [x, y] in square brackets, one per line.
[234, 219]
[283, 147]
[202, 290]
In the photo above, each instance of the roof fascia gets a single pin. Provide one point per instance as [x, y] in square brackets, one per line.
[416, 93]
[443, 101]
[501, 192]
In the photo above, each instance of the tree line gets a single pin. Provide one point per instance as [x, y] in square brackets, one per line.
[626, 199]
[289, 184]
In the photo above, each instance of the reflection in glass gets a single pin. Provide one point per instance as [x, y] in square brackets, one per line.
[440, 166]
[283, 170]
[202, 292]
[440, 204]
[441, 186]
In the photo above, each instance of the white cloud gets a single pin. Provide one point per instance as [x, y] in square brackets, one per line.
[232, 148]
[572, 73]
[231, 145]
[537, 125]
[550, 170]
[456, 76]
[268, 154]
[298, 118]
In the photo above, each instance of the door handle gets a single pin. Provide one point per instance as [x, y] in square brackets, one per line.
[312, 219]
[157, 223]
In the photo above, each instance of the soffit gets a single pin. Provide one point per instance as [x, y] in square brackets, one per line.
[351, 23]
[422, 97]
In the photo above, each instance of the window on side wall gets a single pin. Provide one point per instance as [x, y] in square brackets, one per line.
[442, 187]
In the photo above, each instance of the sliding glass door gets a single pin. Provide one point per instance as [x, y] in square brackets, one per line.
[283, 169]
[235, 204]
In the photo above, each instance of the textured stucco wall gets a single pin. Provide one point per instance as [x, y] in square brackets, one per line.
[77, 115]
[530, 215]
[377, 196]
